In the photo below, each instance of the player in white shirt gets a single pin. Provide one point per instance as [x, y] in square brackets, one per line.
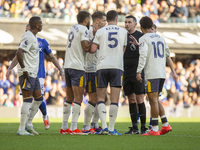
[153, 55]
[77, 46]
[99, 21]
[111, 42]
[28, 58]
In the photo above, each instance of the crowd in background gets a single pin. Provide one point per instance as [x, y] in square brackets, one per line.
[185, 93]
[165, 11]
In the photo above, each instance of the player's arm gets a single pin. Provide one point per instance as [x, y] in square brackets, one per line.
[12, 65]
[54, 60]
[20, 58]
[95, 44]
[170, 62]
[143, 49]
[86, 45]
[94, 48]
[171, 65]
[124, 49]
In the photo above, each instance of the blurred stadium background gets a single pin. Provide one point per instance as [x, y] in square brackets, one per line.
[177, 20]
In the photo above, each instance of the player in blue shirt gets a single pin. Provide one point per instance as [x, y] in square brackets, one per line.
[44, 49]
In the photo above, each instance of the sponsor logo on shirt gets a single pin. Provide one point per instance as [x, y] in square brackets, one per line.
[142, 44]
[133, 47]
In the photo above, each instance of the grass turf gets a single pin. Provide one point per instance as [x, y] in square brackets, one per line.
[185, 135]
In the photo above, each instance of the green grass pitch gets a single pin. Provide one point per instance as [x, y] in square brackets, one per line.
[185, 135]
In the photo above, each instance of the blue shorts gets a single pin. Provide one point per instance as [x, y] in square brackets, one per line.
[29, 84]
[154, 85]
[74, 77]
[91, 82]
[112, 76]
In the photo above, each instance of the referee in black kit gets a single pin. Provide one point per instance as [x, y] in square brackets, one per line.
[132, 88]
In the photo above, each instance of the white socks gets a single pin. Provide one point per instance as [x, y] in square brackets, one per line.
[24, 114]
[102, 114]
[88, 112]
[112, 116]
[95, 118]
[34, 108]
[66, 114]
[75, 115]
[155, 124]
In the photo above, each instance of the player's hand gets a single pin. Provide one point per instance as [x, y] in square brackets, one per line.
[62, 74]
[8, 73]
[175, 77]
[135, 42]
[138, 77]
[25, 74]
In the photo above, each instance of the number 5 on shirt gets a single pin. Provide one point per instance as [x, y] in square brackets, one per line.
[111, 38]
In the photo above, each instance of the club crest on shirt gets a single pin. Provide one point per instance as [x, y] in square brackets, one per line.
[26, 42]
[86, 34]
[28, 85]
[40, 44]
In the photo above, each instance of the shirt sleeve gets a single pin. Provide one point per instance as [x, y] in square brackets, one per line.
[125, 41]
[25, 43]
[47, 48]
[85, 34]
[143, 50]
[167, 51]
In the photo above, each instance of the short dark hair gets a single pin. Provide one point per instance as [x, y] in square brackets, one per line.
[82, 15]
[98, 15]
[111, 15]
[130, 16]
[146, 22]
[33, 21]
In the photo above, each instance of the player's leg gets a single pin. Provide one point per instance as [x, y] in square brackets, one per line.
[76, 108]
[67, 111]
[115, 91]
[142, 112]
[165, 125]
[129, 92]
[43, 107]
[67, 104]
[90, 107]
[78, 86]
[102, 83]
[38, 98]
[139, 90]
[95, 119]
[152, 92]
[133, 114]
[116, 80]
[101, 92]
[26, 105]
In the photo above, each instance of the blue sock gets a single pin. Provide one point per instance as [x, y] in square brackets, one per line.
[138, 117]
[43, 108]
[150, 123]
